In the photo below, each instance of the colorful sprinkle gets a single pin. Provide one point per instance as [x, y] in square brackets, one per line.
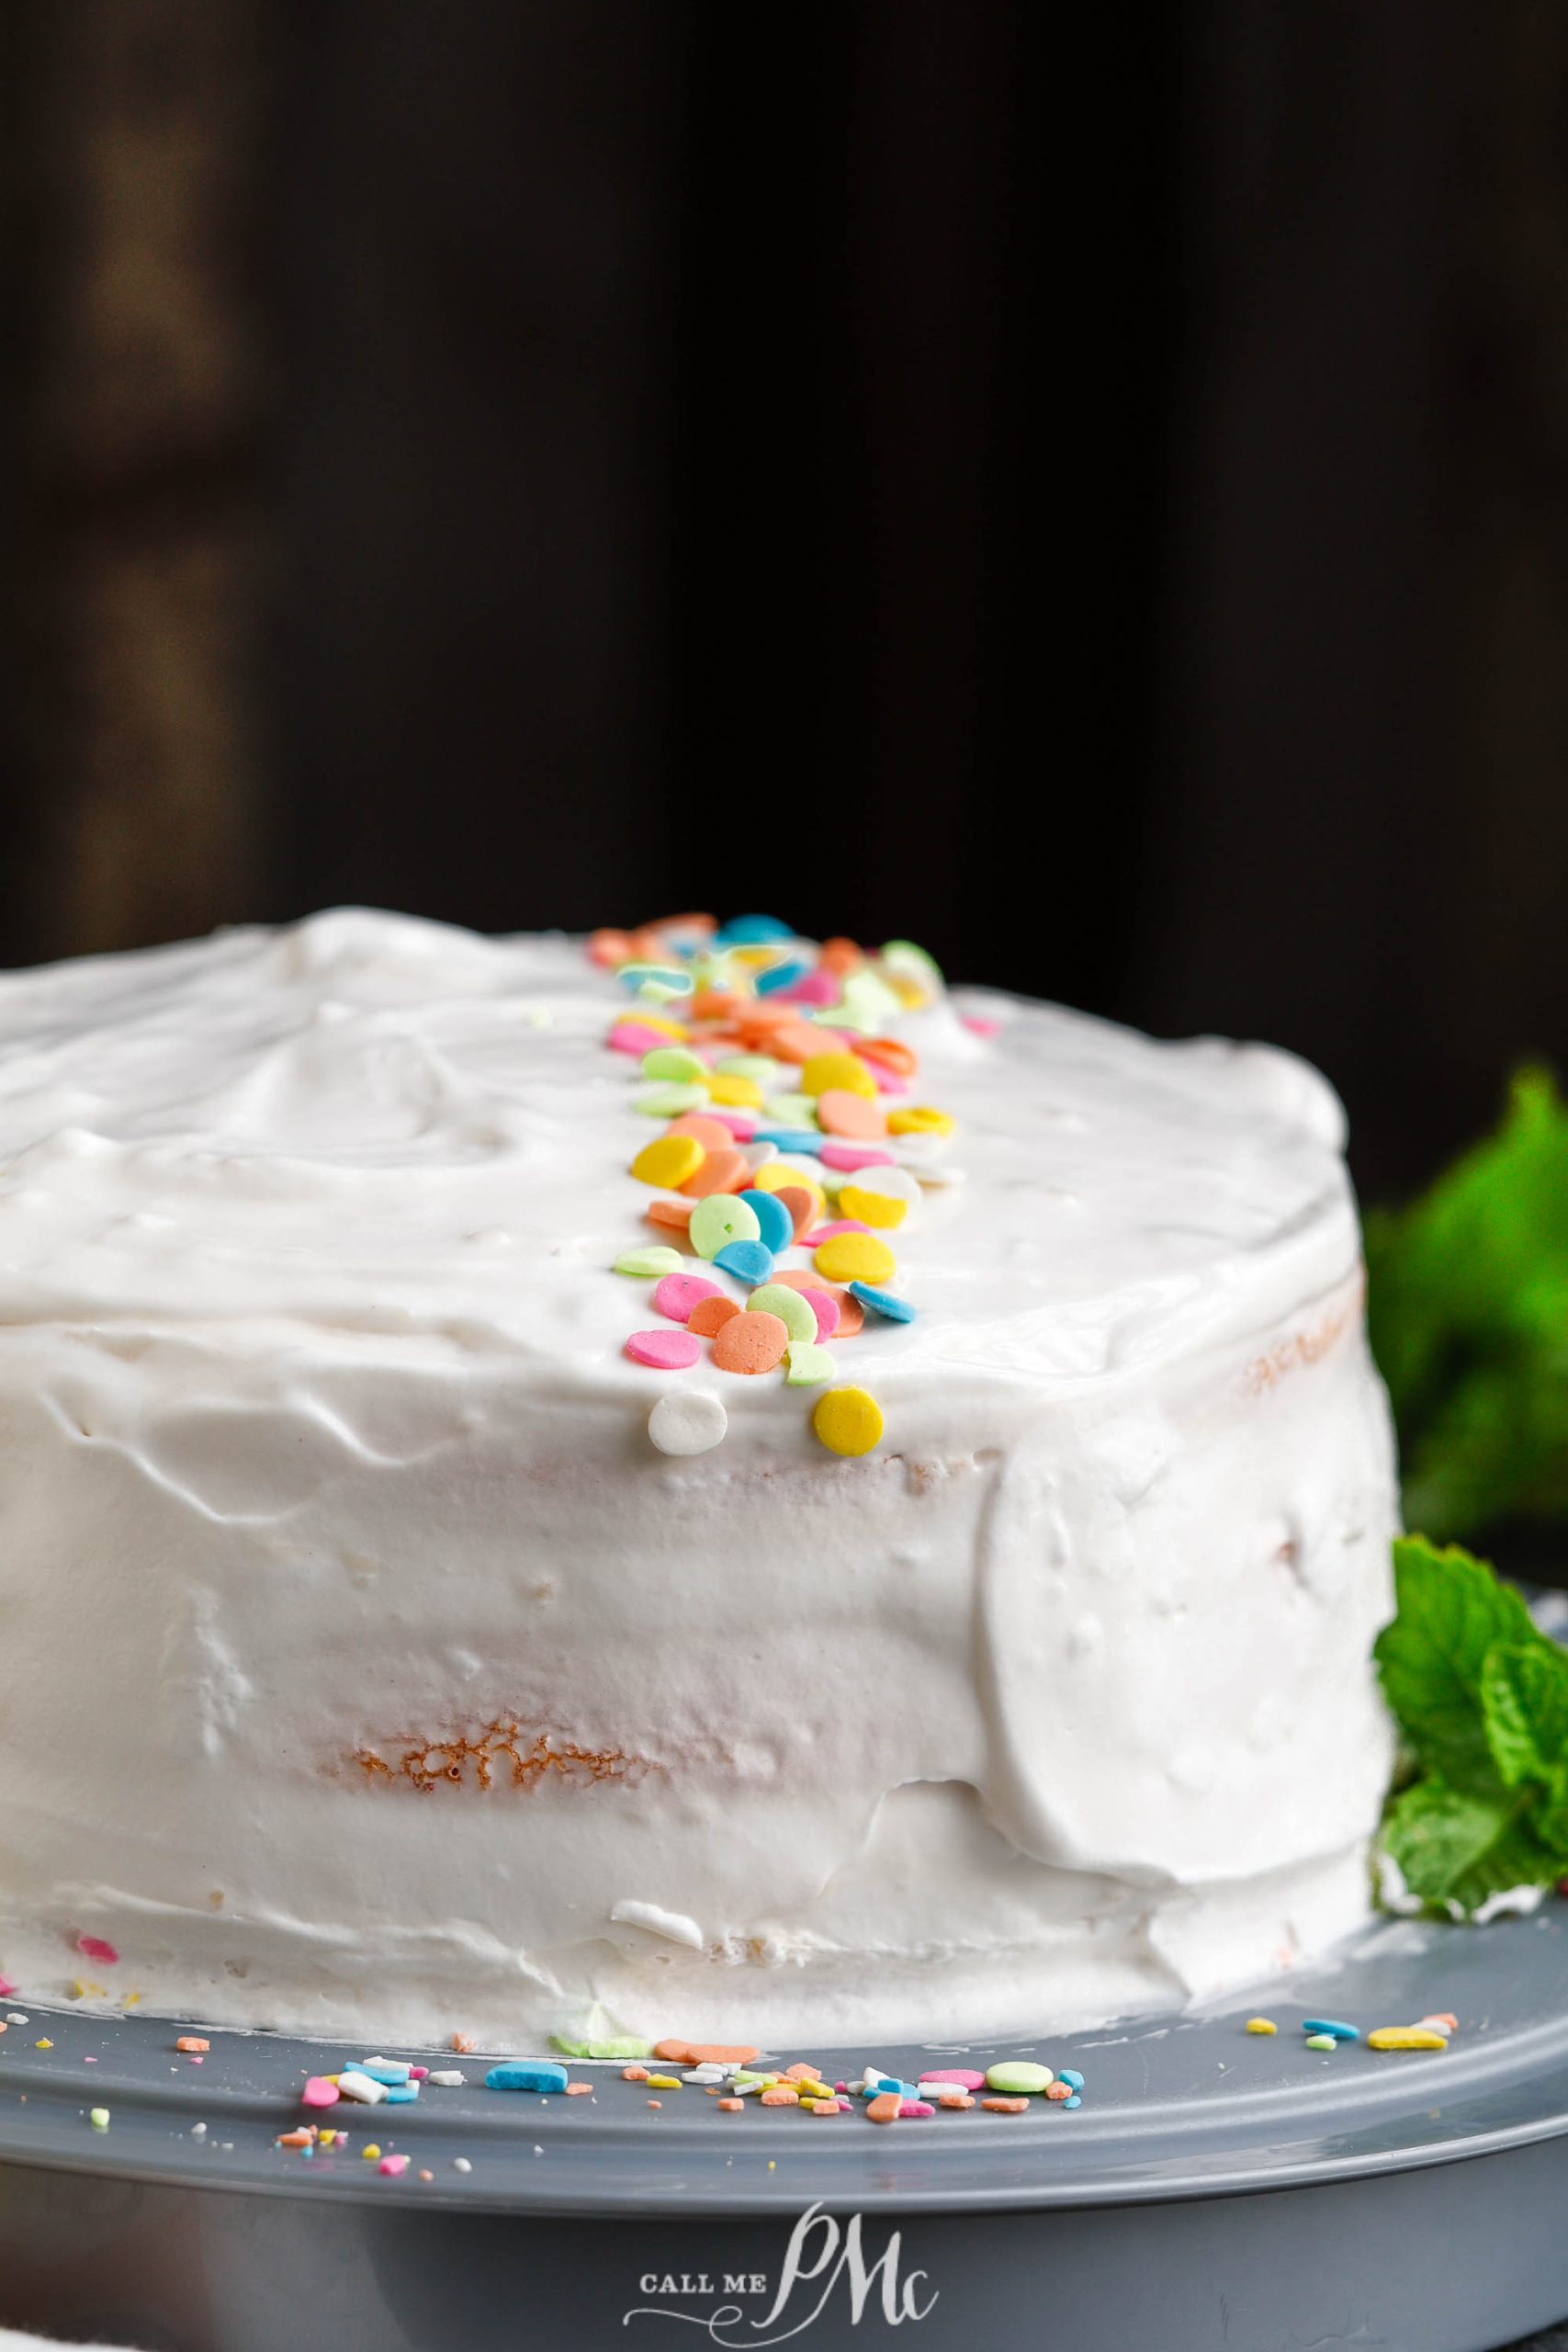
[848, 1421]
[720, 1219]
[645, 1263]
[843, 1114]
[669, 1161]
[710, 1314]
[1404, 2037]
[1333, 2028]
[825, 1306]
[749, 1342]
[526, 2075]
[885, 1302]
[775, 1226]
[1261, 2025]
[855, 1258]
[677, 1294]
[808, 1365]
[1016, 2074]
[664, 1350]
[749, 1261]
[1321, 2041]
[677, 1062]
[669, 1099]
[918, 1119]
[98, 2117]
[793, 1310]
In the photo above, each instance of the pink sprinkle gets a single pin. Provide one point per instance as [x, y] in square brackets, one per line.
[198, 2062]
[839, 2090]
[664, 1350]
[319, 2092]
[965, 2076]
[821, 987]
[95, 1949]
[742, 1124]
[677, 1295]
[889, 1081]
[395, 2165]
[89, 2061]
[7, 1989]
[981, 1024]
[827, 1232]
[636, 1037]
[913, 2109]
[826, 1309]
[856, 1155]
[418, 2073]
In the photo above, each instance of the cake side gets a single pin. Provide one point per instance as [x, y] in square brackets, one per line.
[367, 1669]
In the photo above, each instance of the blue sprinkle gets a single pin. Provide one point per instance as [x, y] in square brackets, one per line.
[778, 1226]
[751, 931]
[402, 2093]
[1333, 2026]
[632, 978]
[882, 1302]
[779, 975]
[792, 1138]
[388, 2070]
[1071, 2078]
[1074, 2101]
[749, 1261]
[525, 2075]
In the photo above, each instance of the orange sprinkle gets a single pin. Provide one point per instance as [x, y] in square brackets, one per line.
[884, 2108]
[634, 2073]
[722, 1170]
[678, 2052]
[801, 2073]
[841, 956]
[1005, 2106]
[732, 2107]
[192, 2042]
[892, 1053]
[796, 1041]
[581, 2090]
[718, 2054]
[839, 1112]
[710, 1314]
[608, 948]
[656, 2102]
[749, 1342]
[685, 926]
[778, 2097]
[955, 2097]
[295, 2139]
[801, 1206]
[676, 1215]
[713, 1004]
[712, 1134]
[462, 2042]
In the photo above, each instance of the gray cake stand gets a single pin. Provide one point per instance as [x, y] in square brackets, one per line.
[1215, 2189]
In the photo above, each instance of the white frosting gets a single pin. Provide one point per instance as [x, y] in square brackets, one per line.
[320, 1443]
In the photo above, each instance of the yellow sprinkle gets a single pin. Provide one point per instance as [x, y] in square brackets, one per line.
[43, 2045]
[771, 2165]
[734, 1092]
[1261, 2025]
[817, 2090]
[872, 1208]
[668, 1160]
[837, 1074]
[327, 2138]
[371, 2152]
[855, 1258]
[1404, 2037]
[130, 2001]
[774, 1175]
[656, 1020]
[909, 993]
[848, 1421]
[918, 1119]
[664, 2081]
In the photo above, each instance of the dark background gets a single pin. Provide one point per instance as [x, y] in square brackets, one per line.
[1093, 498]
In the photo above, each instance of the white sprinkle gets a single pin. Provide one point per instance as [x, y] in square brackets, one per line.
[199, 2130]
[450, 2078]
[461, 2164]
[362, 2087]
[18, 2016]
[537, 2150]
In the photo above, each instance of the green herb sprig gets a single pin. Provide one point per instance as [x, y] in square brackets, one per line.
[1468, 1310]
[1480, 1697]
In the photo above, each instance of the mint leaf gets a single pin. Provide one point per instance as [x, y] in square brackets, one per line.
[1468, 1311]
[1440, 1837]
[1451, 1611]
[1524, 1705]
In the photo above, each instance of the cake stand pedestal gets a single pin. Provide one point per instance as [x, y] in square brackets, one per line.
[1215, 2188]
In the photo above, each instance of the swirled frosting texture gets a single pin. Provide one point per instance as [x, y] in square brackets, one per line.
[364, 1669]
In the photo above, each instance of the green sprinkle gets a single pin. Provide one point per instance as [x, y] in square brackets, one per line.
[806, 1364]
[797, 1111]
[645, 1263]
[672, 1061]
[669, 1098]
[98, 2117]
[761, 1067]
[796, 1313]
[1018, 2075]
[1321, 2041]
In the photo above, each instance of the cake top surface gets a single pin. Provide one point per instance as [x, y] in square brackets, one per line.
[400, 1133]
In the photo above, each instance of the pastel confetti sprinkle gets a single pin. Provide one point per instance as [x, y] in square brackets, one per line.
[848, 1421]
[842, 1073]
[720, 1219]
[750, 1343]
[658, 1260]
[747, 1260]
[721, 1171]
[669, 1161]
[852, 1156]
[884, 1209]
[1404, 2037]
[710, 1314]
[807, 1366]
[679, 1293]
[792, 1307]
[688, 1420]
[677, 1062]
[843, 1114]
[885, 1302]
[98, 2117]
[855, 1257]
[825, 1307]
[920, 1120]
[664, 1350]
[95, 1947]
[1261, 2025]
[393, 2165]
[776, 1228]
